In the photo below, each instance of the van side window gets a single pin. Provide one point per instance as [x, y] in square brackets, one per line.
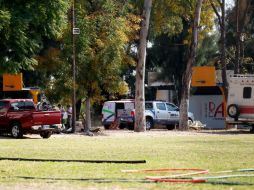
[247, 92]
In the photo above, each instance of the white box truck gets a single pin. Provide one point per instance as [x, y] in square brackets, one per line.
[240, 106]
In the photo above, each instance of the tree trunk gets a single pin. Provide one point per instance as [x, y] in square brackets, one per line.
[184, 105]
[88, 122]
[140, 70]
[238, 35]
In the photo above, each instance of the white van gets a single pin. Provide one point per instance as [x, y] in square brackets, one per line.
[240, 109]
[120, 109]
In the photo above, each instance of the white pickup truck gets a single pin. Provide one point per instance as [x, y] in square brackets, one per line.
[164, 113]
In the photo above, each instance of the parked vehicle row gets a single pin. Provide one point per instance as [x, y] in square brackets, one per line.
[156, 112]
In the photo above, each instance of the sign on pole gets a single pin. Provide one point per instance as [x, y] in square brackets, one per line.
[75, 31]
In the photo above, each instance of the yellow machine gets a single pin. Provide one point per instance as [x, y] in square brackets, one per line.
[13, 88]
[203, 76]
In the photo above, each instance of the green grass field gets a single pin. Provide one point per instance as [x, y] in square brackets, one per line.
[160, 149]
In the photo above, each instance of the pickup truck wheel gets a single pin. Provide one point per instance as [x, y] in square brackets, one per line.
[45, 134]
[149, 123]
[16, 130]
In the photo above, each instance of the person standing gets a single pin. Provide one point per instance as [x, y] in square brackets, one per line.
[69, 118]
[63, 116]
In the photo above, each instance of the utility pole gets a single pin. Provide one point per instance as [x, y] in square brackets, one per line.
[73, 70]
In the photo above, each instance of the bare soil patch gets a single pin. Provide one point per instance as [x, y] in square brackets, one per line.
[159, 133]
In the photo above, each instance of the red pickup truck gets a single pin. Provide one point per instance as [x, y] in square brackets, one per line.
[19, 116]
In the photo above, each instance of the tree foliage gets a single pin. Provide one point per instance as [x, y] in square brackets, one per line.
[106, 29]
[23, 27]
[243, 39]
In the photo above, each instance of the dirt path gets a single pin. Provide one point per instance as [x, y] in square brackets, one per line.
[160, 133]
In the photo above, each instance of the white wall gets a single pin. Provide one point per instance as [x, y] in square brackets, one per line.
[209, 110]
[162, 95]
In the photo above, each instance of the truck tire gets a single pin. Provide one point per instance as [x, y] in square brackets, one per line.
[149, 123]
[16, 131]
[45, 134]
[233, 111]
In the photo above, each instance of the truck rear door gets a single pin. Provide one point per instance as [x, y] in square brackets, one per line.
[108, 112]
[124, 111]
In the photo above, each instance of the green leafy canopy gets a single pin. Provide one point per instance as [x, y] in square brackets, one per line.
[23, 26]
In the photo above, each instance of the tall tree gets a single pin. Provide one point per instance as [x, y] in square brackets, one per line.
[140, 69]
[106, 29]
[183, 124]
[221, 15]
[239, 42]
[242, 8]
